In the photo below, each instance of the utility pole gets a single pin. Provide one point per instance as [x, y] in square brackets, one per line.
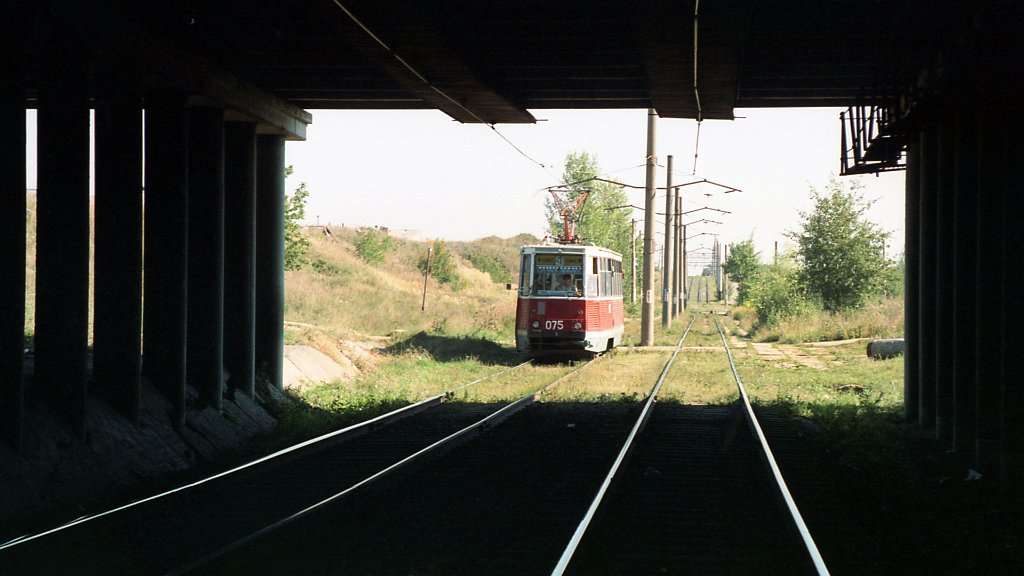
[426, 274]
[677, 281]
[632, 261]
[775, 260]
[666, 267]
[647, 314]
[686, 286]
[717, 263]
[725, 277]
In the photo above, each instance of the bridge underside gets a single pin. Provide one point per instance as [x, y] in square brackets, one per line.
[224, 84]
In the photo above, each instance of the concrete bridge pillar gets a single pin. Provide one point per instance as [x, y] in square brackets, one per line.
[117, 327]
[1012, 392]
[945, 223]
[166, 247]
[12, 262]
[965, 279]
[927, 177]
[912, 284]
[206, 254]
[993, 179]
[62, 243]
[270, 258]
[240, 256]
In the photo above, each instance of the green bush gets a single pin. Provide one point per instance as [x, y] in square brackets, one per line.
[493, 266]
[442, 265]
[324, 267]
[372, 245]
[775, 293]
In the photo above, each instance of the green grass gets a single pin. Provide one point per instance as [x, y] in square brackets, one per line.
[881, 318]
[851, 379]
[623, 375]
[402, 379]
[699, 377]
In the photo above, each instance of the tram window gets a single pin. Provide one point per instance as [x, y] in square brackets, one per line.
[524, 275]
[595, 266]
[558, 275]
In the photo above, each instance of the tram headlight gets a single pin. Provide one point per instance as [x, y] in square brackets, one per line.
[577, 326]
[536, 324]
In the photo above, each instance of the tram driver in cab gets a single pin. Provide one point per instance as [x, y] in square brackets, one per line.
[567, 283]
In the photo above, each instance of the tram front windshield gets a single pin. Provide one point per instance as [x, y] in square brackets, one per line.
[558, 274]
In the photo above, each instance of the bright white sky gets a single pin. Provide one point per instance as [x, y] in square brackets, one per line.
[421, 171]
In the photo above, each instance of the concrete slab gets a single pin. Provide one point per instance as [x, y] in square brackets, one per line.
[798, 356]
[305, 365]
[766, 350]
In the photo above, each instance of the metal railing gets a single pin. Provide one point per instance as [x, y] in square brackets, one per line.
[869, 141]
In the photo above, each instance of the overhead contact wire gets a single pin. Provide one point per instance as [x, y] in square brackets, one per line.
[696, 88]
[431, 85]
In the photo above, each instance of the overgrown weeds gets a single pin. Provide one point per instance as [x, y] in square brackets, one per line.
[882, 318]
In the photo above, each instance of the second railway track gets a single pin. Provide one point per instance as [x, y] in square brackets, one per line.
[696, 498]
[163, 533]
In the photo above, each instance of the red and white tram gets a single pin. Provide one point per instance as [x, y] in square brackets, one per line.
[570, 299]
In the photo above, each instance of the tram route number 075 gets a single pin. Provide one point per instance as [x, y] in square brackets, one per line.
[554, 324]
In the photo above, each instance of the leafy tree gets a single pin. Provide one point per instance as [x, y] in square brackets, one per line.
[602, 222]
[742, 266]
[839, 249]
[372, 245]
[296, 245]
[893, 277]
[442, 265]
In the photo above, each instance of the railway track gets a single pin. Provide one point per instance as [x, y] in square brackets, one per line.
[176, 528]
[502, 505]
[687, 492]
[702, 495]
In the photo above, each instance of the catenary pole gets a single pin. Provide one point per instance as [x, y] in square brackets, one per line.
[685, 284]
[647, 313]
[679, 288]
[666, 266]
[632, 261]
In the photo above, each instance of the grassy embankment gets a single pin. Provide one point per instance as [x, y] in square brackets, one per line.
[339, 304]
[30, 268]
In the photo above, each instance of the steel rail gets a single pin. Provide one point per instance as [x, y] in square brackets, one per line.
[794, 512]
[380, 420]
[491, 419]
[627, 447]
